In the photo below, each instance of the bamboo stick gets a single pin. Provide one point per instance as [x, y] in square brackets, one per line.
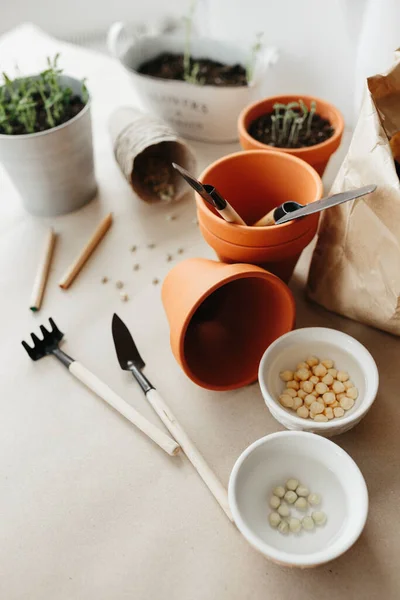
[43, 271]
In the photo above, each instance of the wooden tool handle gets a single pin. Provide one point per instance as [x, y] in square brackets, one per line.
[266, 220]
[197, 460]
[125, 409]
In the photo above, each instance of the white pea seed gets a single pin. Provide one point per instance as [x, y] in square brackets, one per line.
[329, 398]
[297, 402]
[348, 384]
[319, 517]
[274, 519]
[340, 396]
[290, 497]
[328, 379]
[321, 388]
[329, 364]
[286, 401]
[274, 502]
[296, 377]
[328, 412]
[334, 404]
[283, 510]
[333, 372]
[283, 527]
[338, 411]
[315, 394]
[303, 412]
[347, 403]
[352, 393]
[279, 491]
[308, 523]
[301, 394]
[338, 387]
[301, 365]
[290, 392]
[314, 379]
[319, 370]
[312, 361]
[320, 418]
[301, 504]
[316, 408]
[292, 484]
[314, 499]
[293, 384]
[307, 386]
[342, 376]
[309, 399]
[294, 525]
[302, 490]
[303, 374]
[286, 375]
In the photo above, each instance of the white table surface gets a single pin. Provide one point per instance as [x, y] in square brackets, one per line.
[90, 509]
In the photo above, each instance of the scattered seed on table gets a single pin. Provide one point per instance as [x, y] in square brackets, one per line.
[294, 525]
[290, 496]
[292, 484]
[319, 517]
[124, 297]
[283, 527]
[274, 519]
[151, 246]
[133, 248]
[308, 523]
[195, 222]
[136, 267]
[302, 490]
[279, 491]
[283, 510]
[314, 499]
[274, 502]
[169, 257]
[171, 217]
[180, 250]
[301, 504]
[119, 285]
[156, 281]
[104, 279]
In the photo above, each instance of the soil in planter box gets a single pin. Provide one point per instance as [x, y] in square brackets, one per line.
[210, 72]
[321, 129]
[71, 109]
[154, 173]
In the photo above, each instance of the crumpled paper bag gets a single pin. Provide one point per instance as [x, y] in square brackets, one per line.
[355, 268]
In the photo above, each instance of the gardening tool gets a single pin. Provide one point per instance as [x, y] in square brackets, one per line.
[49, 345]
[130, 360]
[212, 196]
[288, 211]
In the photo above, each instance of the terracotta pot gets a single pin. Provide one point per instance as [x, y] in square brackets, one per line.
[316, 156]
[254, 182]
[222, 318]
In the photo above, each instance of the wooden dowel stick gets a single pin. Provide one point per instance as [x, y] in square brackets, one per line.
[43, 271]
[92, 244]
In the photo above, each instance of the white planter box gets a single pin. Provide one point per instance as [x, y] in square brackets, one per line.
[201, 112]
[53, 170]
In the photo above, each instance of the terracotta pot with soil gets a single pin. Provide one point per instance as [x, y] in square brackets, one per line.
[199, 95]
[303, 126]
[255, 182]
[222, 318]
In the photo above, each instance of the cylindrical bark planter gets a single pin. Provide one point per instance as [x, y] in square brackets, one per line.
[53, 170]
[317, 156]
[255, 182]
[222, 318]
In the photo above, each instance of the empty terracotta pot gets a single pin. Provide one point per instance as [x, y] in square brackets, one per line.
[255, 182]
[318, 155]
[222, 318]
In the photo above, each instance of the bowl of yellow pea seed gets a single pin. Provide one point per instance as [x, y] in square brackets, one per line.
[298, 498]
[318, 380]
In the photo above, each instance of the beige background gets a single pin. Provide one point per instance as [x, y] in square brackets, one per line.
[89, 508]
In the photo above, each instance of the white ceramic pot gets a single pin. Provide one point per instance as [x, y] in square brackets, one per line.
[201, 112]
[53, 170]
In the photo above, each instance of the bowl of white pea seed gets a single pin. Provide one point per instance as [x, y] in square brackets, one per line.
[318, 380]
[298, 498]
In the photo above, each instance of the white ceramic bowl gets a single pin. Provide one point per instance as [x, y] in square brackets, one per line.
[348, 355]
[324, 468]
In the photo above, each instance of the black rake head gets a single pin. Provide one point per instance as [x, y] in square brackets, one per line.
[47, 344]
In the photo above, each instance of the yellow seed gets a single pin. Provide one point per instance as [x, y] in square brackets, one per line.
[340, 396]
[303, 374]
[316, 408]
[315, 393]
[328, 379]
[332, 372]
[342, 376]
[301, 365]
[327, 363]
[319, 370]
[338, 387]
[286, 401]
[293, 384]
[303, 412]
[321, 388]
[348, 384]
[307, 386]
[309, 399]
[297, 402]
[290, 392]
[329, 398]
[352, 393]
[301, 394]
[328, 412]
[296, 377]
[286, 375]
[347, 403]
[338, 411]
[312, 361]
[320, 418]
[334, 404]
[314, 379]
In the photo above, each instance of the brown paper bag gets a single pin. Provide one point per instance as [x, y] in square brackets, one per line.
[355, 268]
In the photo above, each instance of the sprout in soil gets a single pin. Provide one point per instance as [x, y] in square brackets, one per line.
[255, 49]
[190, 67]
[288, 121]
[31, 104]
